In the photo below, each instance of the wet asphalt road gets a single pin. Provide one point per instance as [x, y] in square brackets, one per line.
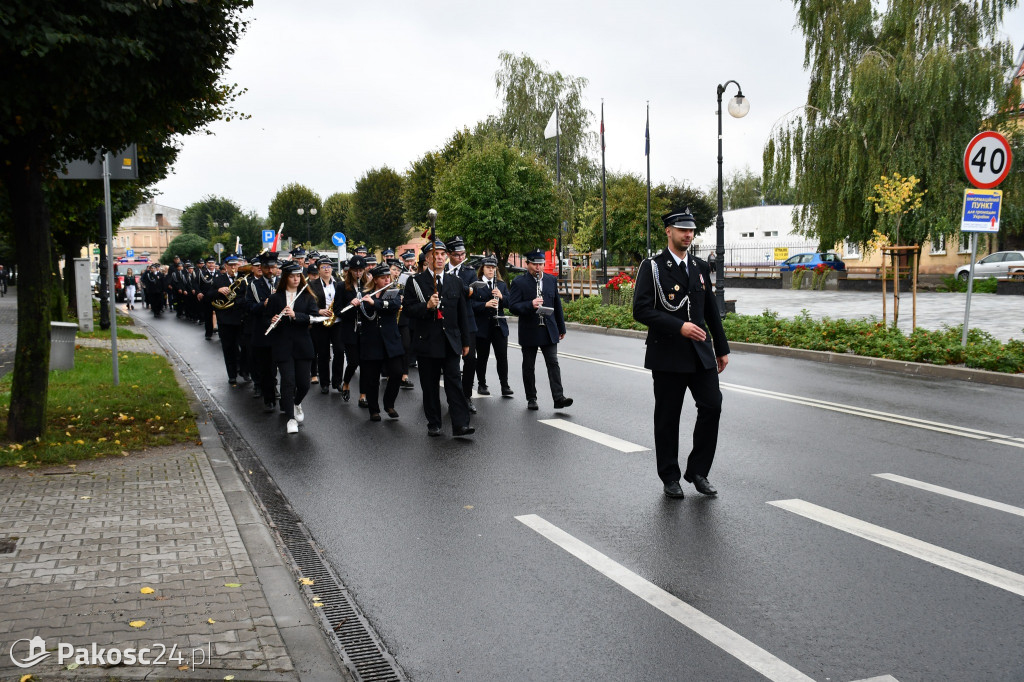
[423, 531]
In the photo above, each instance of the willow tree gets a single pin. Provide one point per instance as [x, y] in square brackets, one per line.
[898, 89]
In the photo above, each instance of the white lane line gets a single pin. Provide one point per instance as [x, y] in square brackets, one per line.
[992, 504]
[933, 554]
[743, 649]
[596, 436]
[867, 413]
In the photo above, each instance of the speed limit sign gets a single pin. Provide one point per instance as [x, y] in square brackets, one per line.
[987, 159]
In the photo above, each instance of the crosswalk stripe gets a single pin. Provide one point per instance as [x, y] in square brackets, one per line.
[596, 436]
[949, 492]
[933, 554]
[707, 627]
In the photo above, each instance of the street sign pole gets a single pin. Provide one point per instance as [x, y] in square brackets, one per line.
[110, 267]
[970, 287]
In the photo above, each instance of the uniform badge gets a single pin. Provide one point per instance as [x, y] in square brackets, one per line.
[676, 287]
[671, 297]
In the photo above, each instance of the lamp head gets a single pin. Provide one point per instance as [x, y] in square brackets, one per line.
[739, 106]
[302, 210]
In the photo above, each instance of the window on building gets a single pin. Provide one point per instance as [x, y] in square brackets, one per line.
[771, 233]
[938, 244]
[747, 235]
[851, 249]
[965, 242]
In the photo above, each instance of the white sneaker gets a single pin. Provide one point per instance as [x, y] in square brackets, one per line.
[299, 417]
[293, 426]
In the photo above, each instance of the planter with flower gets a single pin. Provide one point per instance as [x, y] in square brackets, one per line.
[618, 291]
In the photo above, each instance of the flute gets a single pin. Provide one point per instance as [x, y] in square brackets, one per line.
[279, 316]
[372, 293]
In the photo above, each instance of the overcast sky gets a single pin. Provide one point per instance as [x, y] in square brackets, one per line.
[337, 88]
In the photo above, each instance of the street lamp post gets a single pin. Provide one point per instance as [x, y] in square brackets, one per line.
[738, 108]
[307, 210]
[224, 224]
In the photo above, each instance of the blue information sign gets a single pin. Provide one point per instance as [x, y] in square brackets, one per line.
[338, 238]
[130, 253]
[981, 210]
[268, 236]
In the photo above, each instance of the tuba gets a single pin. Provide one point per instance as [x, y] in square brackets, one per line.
[229, 300]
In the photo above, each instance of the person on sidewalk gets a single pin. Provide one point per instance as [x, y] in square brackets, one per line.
[129, 290]
[489, 305]
[289, 309]
[438, 304]
[534, 298]
[686, 349]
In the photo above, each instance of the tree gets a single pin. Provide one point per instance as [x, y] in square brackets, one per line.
[627, 218]
[528, 95]
[901, 89]
[199, 217]
[420, 178]
[742, 189]
[84, 78]
[499, 199]
[284, 208]
[335, 218]
[190, 247]
[377, 218]
[680, 198]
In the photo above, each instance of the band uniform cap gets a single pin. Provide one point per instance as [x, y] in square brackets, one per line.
[535, 257]
[682, 220]
[409, 254]
[298, 253]
[324, 260]
[371, 260]
[255, 260]
[361, 250]
[489, 260]
[381, 270]
[188, 264]
[211, 259]
[268, 257]
[456, 244]
[394, 261]
[291, 268]
[387, 252]
[230, 258]
[356, 262]
[437, 244]
[315, 255]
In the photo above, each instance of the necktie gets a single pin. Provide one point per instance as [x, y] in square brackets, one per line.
[439, 282]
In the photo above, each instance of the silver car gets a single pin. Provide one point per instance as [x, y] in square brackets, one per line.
[1000, 264]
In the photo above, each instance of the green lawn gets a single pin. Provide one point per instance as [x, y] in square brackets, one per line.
[88, 417]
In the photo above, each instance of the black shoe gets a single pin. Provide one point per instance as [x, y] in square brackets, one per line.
[363, 403]
[245, 377]
[392, 412]
[701, 484]
[257, 392]
[472, 407]
[507, 391]
[406, 384]
[673, 490]
[208, 338]
[325, 389]
[562, 402]
[375, 416]
[463, 431]
[433, 430]
[532, 405]
[269, 407]
[232, 382]
[482, 389]
[413, 364]
[345, 395]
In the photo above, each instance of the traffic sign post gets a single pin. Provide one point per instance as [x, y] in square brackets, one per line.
[268, 237]
[217, 249]
[338, 239]
[987, 162]
[130, 253]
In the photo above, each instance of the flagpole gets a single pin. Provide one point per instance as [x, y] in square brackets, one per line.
[558, 182]
[604, 206]
[647, 153]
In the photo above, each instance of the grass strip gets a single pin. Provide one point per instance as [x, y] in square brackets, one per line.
[88, 417]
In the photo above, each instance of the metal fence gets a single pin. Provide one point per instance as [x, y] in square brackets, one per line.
[755, 253]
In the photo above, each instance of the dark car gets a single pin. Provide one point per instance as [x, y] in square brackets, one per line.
[811, 261]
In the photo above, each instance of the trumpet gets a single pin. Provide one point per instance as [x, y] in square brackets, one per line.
[229, 300]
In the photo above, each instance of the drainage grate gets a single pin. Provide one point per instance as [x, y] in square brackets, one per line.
[7, 545]
[355, 641]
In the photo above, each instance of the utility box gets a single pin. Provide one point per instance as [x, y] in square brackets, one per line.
[83, 294]
[62, 345]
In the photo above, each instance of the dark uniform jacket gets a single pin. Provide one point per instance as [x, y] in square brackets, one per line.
[232, 314]
[487, 324]
[349, 320]
[667, 349]
[533, 330]
[432, 333]
[467, 277]
[256, 294]
[379, 336]
[290, 339]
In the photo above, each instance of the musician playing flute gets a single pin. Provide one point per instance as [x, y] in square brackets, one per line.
[534, 298]
[351, 293]
[380, 343]
[288, 311]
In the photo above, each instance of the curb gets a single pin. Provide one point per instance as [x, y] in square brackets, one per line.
[976, 376]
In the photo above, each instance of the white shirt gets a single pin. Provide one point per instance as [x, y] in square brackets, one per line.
[681, 262]
[329, 293]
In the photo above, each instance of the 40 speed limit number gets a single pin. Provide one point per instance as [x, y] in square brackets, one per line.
[987, 159]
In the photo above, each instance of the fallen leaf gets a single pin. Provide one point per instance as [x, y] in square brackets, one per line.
[26, 678]
[182, 667]
[86, 497]
[72, 666]
[229, 677]
[159, 598]
[211, 621]
[147, 590]
[137, 623]
[468, 506]
[318, 604]
[306, 581]
[232, 584]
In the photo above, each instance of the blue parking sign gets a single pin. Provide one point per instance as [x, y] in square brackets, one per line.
[268, 236]
[130, 253]
[338, 238]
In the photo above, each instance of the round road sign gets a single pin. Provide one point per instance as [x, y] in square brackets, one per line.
[987, 159]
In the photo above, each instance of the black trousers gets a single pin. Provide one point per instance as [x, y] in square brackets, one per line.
[207, 313]
[352, 355]
[369, 382]
[483, 353]
[264, 368]
[407, 345]
[469, 365]
[550, 352]
[669, 390]
[328, 369]
[294, 384]
[431, 370]
[230, 335]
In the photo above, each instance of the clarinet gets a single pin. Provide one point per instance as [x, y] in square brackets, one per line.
[540, 295]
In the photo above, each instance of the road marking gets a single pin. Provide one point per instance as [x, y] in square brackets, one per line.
[596, 436]
[867, 413]
[992, 504]
[933, 554]
[710, 629]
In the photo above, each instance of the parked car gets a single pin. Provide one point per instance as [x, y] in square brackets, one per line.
[811, 261]
[998, 264]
